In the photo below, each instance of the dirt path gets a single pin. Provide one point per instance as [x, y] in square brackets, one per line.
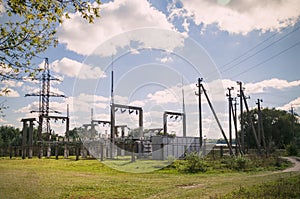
[296, 162]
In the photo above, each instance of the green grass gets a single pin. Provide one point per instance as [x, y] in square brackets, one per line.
[282, 188]
[138, 166]
[50, 178]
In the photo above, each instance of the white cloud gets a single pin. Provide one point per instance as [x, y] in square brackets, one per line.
[73, 68]
[244, 16]
[262, 86]
[34, 106]
[137, 103]
[84, 102]
[216, 91]
[117, 17]
[118, 99]
[163, 97]
[165, 59]
[2, 121]
[11, 83]
[12, 93]
[274, 83]
[294, 103]
[7, 88]
[79, 107]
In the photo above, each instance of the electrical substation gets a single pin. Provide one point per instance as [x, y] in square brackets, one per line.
[152, 143]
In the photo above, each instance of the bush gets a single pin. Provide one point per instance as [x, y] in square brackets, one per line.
[192, 164]
[281, 188]
[291, 150]
[241, 163]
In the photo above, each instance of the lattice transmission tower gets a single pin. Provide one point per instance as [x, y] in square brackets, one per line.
[44, 101]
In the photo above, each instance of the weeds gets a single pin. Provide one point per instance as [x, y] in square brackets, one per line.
[281, 188]
[194, 164]
[291, 150]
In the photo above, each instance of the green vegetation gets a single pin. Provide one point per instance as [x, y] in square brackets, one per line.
[281, 128]
[50, 178]
[29, 28]
[192, 164]
[281, 188]
[10, 136]
[291, 150]
[250, 163]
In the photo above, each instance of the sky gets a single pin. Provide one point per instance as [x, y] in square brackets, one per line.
[158, 49]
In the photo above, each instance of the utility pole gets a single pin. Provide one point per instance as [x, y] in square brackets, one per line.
[184, 113]
[261, 133]
[112, 112]
[241, 115]
[229, 110]
[293, 120]
[199, 85]
[259, 120]
[217, 120]
[237, 139]
[251, 122]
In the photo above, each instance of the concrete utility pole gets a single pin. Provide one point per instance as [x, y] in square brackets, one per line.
[112, 112]
[241, 115]
[259, 120]
[217, 120]
[260, 129]
[184, 113]
[237, 139]
[251, 122]
[199, 85]
[293, 120]
[229, 111]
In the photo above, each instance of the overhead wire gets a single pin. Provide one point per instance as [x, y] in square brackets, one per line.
[268, 59]
[257, 52]
[251, 49]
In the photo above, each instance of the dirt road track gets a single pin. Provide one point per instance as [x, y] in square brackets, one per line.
[296, 162]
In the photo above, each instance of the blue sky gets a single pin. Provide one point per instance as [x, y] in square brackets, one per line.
[156, 45]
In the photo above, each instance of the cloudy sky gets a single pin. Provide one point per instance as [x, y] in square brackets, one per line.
[161, 47]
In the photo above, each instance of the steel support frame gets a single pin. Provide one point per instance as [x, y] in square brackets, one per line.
[165, 121]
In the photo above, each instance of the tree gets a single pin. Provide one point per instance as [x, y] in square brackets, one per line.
[74, 133]
[280, 127]
[10, 136]
[28, 28]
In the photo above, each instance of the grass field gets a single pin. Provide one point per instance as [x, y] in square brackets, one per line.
[50, 178]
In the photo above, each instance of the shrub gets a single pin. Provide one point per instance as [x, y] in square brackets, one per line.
[291, 150]
[241, 163]
[192, 164]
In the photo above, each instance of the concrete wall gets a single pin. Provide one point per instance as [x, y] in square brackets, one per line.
[164, 146]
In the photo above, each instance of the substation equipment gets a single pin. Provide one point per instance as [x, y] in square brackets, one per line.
[157, 147]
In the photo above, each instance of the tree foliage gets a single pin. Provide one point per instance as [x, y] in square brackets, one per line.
[28, 28]
[280, 127]
[10, 136]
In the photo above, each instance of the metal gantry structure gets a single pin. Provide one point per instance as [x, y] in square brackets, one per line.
[44, 104]
[175, 115]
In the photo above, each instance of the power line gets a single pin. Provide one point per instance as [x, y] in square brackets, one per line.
[251, 49]
[266, 60]
[276, 41]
